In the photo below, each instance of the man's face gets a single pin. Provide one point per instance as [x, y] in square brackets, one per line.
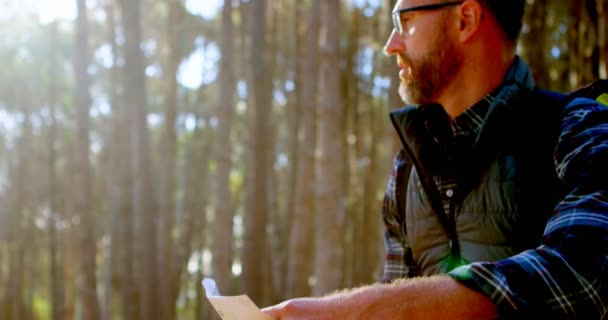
[426, 54]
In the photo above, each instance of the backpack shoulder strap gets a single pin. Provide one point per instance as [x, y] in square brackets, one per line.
[596, 90]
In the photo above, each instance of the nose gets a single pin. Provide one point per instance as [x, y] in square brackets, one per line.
[394, 44]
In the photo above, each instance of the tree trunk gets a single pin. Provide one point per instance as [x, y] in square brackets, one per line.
[291, 37]
[14, 290]
[353, 134]
[196, 186]
[589, 34]
[602, 37]
[330, 211]
[165, 262]
[301, 247]
[255, 239]
[18, 212]
[370, 241]
[535, 47]
[88, 248]
[274, 218]
[145, 213]
[120, 186]
[57, 291]
[581, 36]
[222, 230]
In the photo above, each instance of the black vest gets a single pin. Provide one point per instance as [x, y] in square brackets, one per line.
[507, 185]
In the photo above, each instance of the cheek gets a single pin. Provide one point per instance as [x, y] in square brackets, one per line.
[410, 31]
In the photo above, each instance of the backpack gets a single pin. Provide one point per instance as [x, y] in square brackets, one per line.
[597, 90]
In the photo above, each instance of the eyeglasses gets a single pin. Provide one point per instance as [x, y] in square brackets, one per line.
[398, 14]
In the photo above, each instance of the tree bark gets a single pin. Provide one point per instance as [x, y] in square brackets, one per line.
[166, 263]
[353, 134]
[84, 209]
[535, 47]
[18, 211]
[582, 36]
[119, 187]
[301, 249]
[370, 237]
[145, 213]
[255, 238]
[330, 211]
[292, 37]
[222, 231]
[57, 291]
[602, 37]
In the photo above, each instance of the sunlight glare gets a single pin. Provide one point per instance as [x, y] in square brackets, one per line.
[411, 31]
[206, 9]
[50, 11]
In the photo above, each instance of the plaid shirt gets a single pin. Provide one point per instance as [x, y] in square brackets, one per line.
[465, 127]
[565, 277]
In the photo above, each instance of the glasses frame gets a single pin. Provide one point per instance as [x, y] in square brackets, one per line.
[428, 7]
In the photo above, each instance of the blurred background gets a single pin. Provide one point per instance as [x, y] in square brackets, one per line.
[146, 144]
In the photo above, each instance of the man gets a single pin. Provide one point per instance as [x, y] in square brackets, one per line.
[502, 177]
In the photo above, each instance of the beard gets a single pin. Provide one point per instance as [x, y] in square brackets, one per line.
[431, 73]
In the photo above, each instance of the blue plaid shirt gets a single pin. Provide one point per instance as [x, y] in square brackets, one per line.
[565, 277]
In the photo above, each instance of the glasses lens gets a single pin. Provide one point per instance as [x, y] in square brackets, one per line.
[397, 22]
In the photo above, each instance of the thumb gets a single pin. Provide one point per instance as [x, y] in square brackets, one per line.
[272, 312]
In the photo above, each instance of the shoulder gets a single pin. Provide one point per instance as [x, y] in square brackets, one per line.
[584, 104]
[584, 111]
[581, 105]
[582, 147]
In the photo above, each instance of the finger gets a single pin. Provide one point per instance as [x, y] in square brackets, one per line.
[272, 312]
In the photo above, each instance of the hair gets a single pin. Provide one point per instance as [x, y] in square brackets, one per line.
[509, 15]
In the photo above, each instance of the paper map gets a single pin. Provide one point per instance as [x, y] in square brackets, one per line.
[232, 307]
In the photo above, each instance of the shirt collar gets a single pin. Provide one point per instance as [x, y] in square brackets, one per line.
[518, 78]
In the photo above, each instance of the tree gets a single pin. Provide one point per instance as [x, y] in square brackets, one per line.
[602, 28]
[145, 214]
[83, 199]
[535, 49]
[330, 209]
[222, 232]
[57, 291]
[582, 42]
[165, 259]
[254, 252]
[301, 248]
[119, 185]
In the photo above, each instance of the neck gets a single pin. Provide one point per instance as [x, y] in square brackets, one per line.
[478, 77]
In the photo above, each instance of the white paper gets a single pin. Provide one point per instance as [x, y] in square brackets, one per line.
[232, 307]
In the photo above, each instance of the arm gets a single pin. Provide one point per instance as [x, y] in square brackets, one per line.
[438, 297]
[566, 277]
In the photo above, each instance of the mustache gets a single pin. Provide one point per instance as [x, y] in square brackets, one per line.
[403, 60]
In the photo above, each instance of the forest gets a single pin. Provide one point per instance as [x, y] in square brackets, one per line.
[147, 144]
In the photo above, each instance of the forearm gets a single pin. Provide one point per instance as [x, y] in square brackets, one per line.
[438, 297]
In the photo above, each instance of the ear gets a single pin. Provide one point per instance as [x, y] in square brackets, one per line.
[470, 17]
